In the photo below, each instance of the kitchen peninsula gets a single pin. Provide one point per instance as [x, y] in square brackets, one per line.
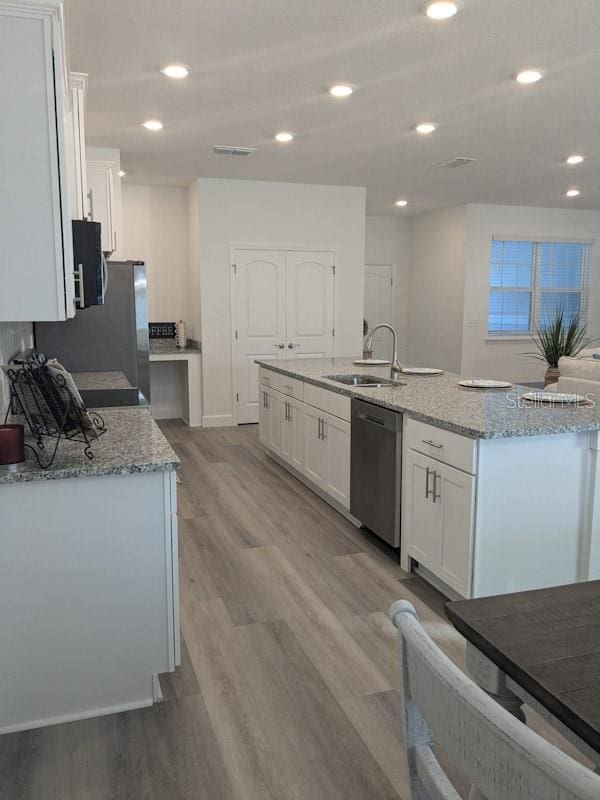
[515, 501]
[89, 577]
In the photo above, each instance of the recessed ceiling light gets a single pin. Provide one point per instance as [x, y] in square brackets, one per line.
[341, 90]
[153, 125]
[401, 203]
[573, 193]
[574, 160]
[122, 173]
[440, 9]
[529, 76]
[176, 71]
[426, 127]
[284, 136]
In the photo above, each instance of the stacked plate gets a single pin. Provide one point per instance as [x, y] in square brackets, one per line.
[485, 384]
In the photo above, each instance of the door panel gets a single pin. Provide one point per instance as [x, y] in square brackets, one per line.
[458, 492]
[310, 303]
[259, 313]
[378, 305]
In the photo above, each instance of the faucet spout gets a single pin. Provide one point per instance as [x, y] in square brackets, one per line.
[396, 369]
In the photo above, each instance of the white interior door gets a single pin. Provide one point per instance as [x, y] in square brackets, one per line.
[259, 313]
[378, 305]
[310, 304]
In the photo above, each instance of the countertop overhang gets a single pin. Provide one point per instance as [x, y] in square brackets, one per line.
[439, 400]
[133, 443]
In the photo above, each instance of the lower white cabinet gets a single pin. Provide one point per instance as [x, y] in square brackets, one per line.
[292, 432]
[438, 518]
[312, 441]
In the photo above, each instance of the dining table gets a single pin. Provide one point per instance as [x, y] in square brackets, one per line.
[540, 648]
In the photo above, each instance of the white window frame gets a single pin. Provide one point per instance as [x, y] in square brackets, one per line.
[536, 291]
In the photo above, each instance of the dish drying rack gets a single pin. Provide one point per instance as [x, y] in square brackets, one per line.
[49, 409]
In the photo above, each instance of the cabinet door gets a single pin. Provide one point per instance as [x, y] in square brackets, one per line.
[264, 418]
[292, 437]
[78, 188]
[315, 449]
[457, 490]
[275, 401]
[421, 517]
[337, 438]
[100, 194]
[36, 259]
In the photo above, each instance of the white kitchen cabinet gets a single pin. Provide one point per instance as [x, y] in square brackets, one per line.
[438, 518]
[104, 197]
[35, 214]
[315, 450]
[336, 433]
[78, 188]
[292, 432]
[270, 419]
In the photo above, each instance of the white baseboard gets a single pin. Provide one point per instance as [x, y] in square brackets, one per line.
[167, 410]
[94, 712]
[218, 421]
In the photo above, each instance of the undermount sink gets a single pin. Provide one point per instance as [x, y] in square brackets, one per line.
[364, 381]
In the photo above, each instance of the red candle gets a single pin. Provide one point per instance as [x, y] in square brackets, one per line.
[12, 444]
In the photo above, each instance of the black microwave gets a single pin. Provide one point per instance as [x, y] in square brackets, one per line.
[89, 264]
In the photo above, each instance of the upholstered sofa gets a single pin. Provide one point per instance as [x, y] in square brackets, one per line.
[580, 374]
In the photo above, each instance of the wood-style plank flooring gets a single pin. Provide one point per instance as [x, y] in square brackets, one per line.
[288, 683]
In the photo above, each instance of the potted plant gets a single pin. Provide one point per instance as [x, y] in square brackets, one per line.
[559, 335]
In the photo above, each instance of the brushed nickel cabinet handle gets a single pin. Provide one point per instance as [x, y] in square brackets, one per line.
[428, 473]
[436, 495]
[431, 443]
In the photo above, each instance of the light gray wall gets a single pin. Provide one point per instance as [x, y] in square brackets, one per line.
[436, 288]
[286, 215]
[387, 241]
[14, 337]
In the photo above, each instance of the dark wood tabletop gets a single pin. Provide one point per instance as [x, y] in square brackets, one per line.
[547, 641]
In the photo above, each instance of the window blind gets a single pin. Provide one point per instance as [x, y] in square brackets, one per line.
[531, 280]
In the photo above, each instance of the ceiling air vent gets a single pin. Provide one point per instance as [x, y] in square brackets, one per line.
[460, 161]
[230, 150]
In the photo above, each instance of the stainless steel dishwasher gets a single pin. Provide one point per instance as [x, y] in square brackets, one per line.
[376, 469]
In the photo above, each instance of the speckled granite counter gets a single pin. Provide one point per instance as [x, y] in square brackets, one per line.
[168, 347]
[133, 442]
[437, 399]
[100, 381]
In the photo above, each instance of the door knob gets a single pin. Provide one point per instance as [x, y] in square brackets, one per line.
[281, 345]
[291, 346]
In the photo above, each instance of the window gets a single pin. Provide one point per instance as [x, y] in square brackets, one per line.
[531, 280]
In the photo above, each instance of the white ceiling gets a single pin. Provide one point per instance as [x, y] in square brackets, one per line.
[261, 66]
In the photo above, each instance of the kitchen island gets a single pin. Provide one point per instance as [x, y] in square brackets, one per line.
[88, 576]
[498, 495]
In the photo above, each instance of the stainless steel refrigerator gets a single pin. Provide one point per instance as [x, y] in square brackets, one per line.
[112, 337]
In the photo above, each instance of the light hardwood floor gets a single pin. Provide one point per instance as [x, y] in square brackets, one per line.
[288, 686]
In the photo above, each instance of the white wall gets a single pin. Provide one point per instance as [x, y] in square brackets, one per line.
[436, 288]
[14, 338]
[233, 212]
[155, 221]
[504, 360]
[387, 241]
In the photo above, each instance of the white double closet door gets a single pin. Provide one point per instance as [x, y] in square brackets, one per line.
[282, 307]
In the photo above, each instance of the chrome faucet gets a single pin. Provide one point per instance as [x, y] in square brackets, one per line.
[396, 369]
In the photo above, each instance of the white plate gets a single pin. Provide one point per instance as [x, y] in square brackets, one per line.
[556, 398]
[371, 362]
[421, 371]
[484, 384]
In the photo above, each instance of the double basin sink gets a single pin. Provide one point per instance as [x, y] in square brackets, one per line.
[363, 381]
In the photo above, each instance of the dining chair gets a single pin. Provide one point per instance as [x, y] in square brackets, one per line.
[497, 754]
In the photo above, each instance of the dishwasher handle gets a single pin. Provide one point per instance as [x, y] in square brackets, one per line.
[368, 418]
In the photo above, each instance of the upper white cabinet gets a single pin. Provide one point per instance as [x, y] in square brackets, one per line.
[36, 252]
[78, 186]
[104, 197]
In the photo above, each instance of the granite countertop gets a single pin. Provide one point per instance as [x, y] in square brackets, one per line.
[133, 442]
[100, 381]
[165, 347]
[437, 399]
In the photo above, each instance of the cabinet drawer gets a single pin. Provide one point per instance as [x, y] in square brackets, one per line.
[326, 400]
[266, 377]
[291, 387]
[446, 446]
